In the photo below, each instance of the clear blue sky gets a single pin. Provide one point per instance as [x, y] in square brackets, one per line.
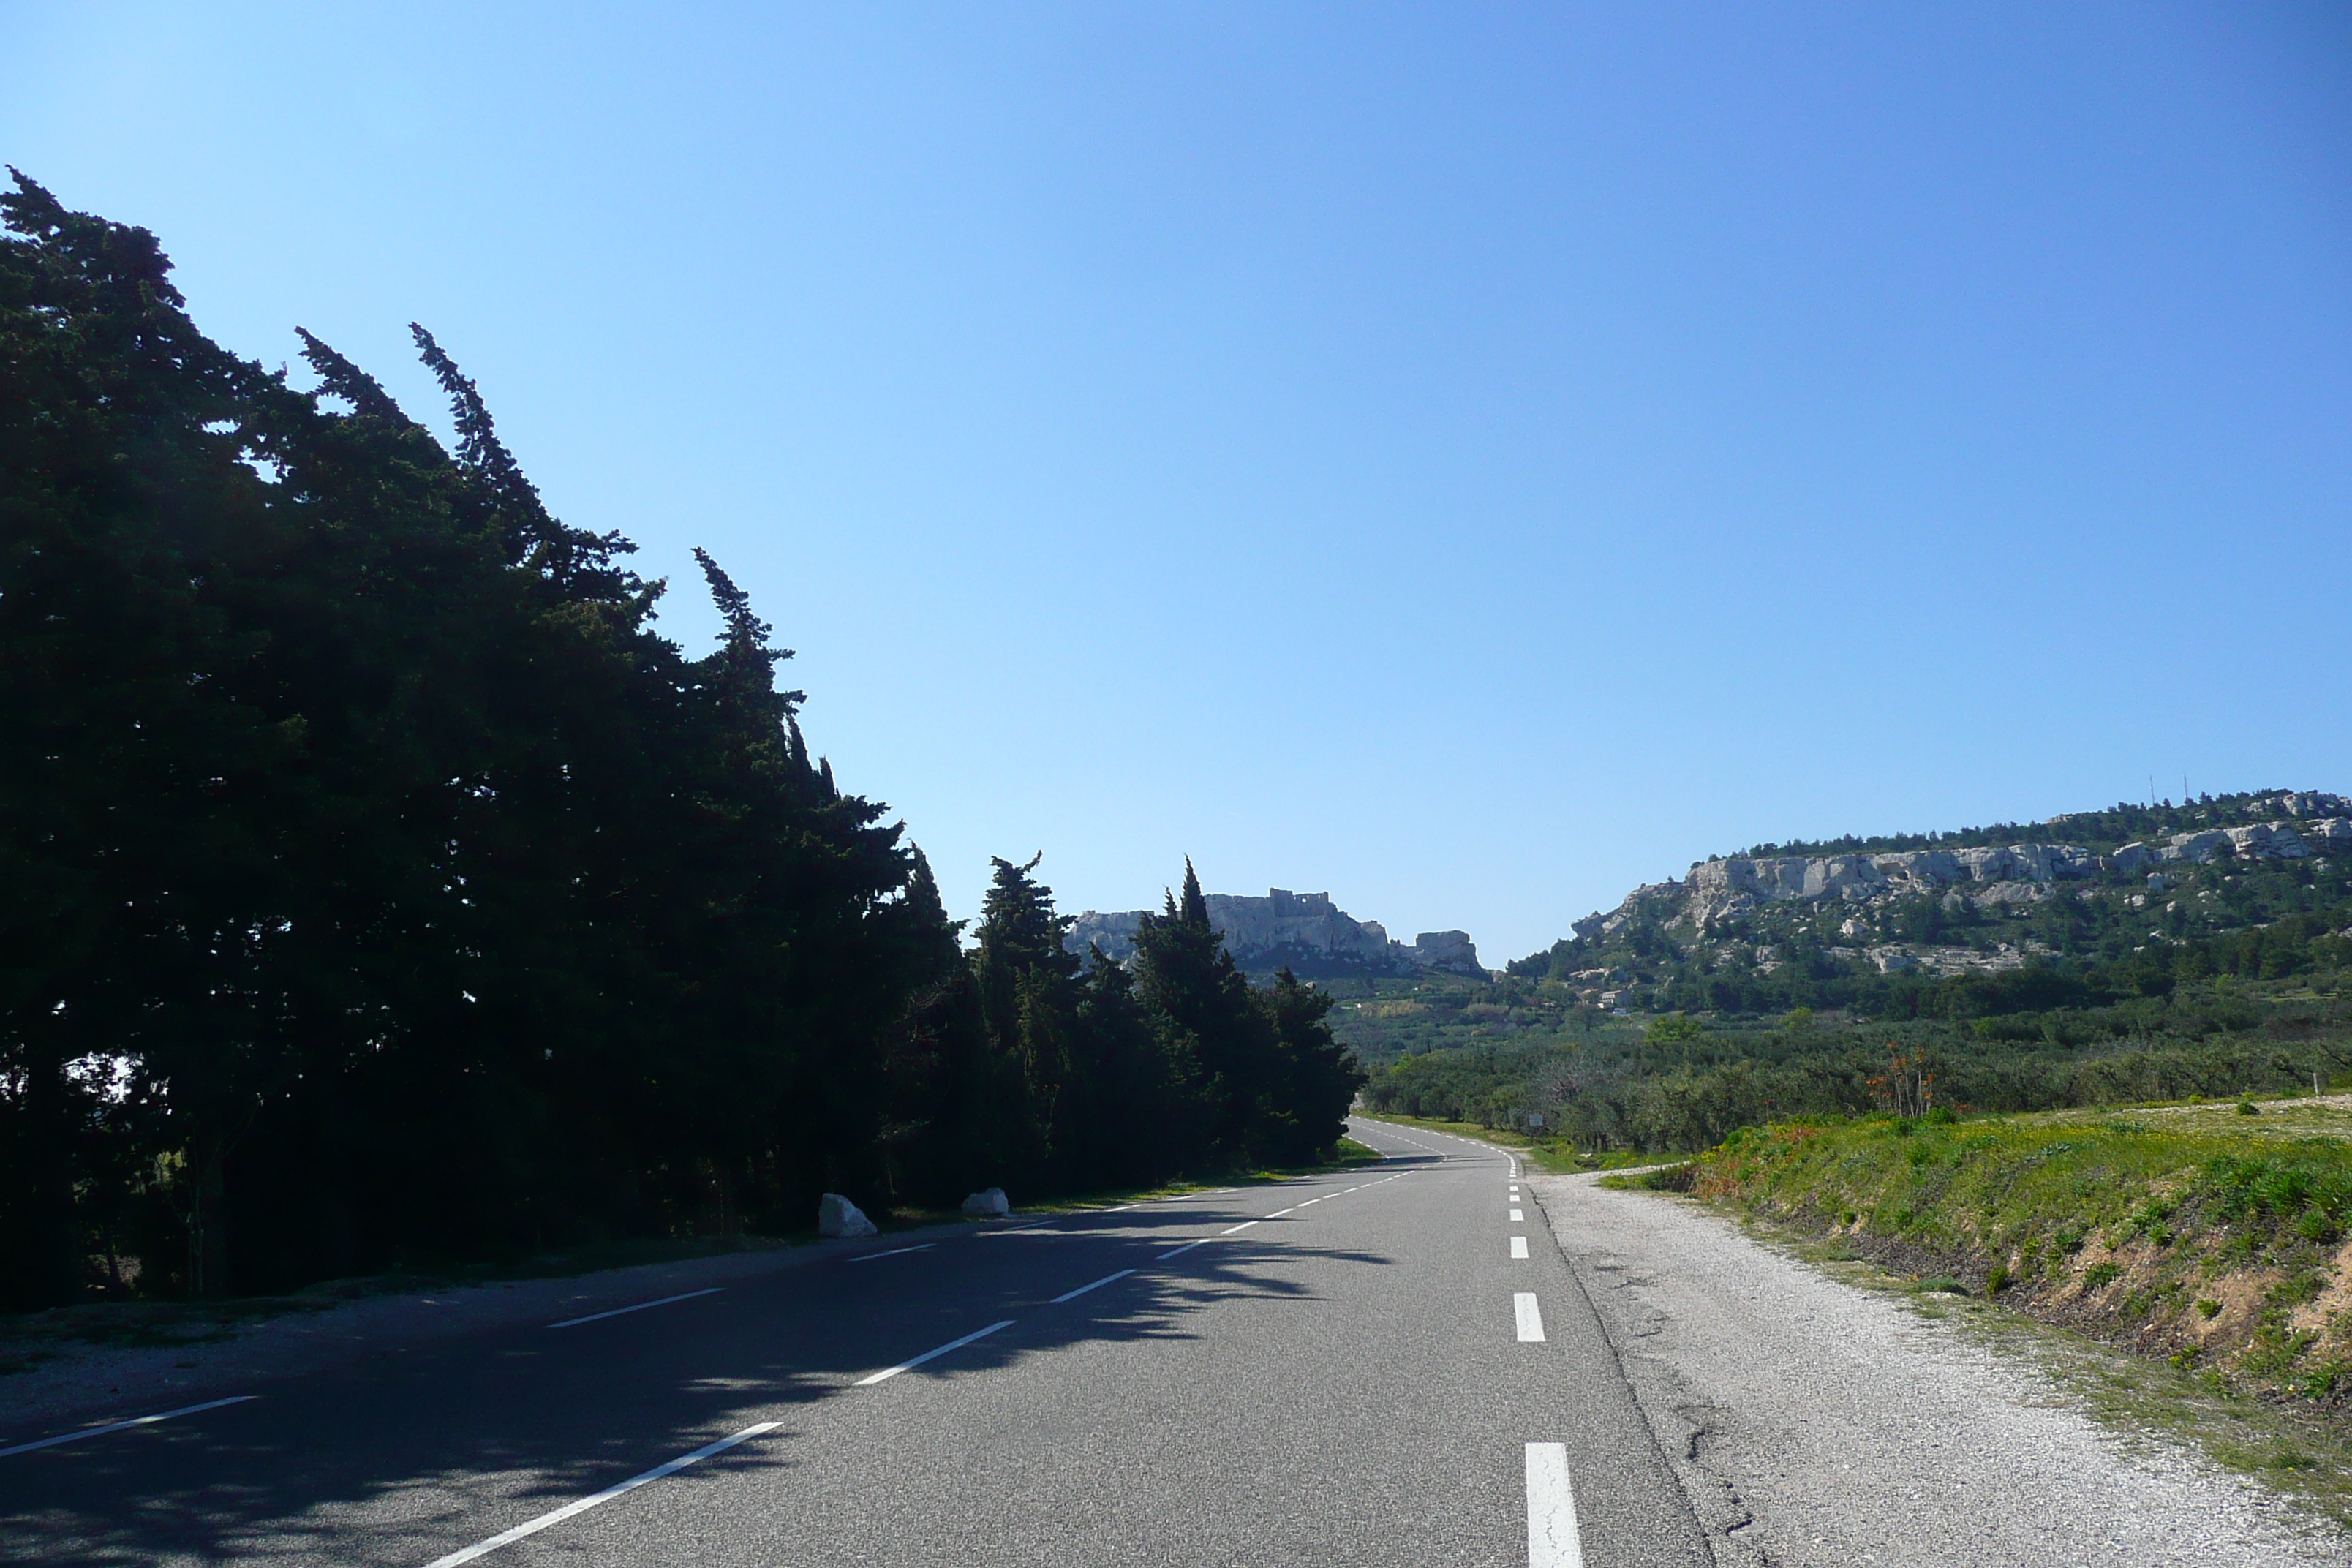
[1468, 458]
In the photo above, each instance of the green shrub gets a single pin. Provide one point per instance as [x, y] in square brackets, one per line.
[2099, 1274]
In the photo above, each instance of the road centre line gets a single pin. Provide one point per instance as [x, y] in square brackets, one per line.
[887, 1372]
[582, 1505]
[624, 1311]
[1519, 1217]
[1551, 1509]
[123, 1425]
[1529, 1316]
[1519, 1247]
[1231, 1228]
[893, 1252]
[1292, 1209]
[1200, 1241]
[1105, 1279]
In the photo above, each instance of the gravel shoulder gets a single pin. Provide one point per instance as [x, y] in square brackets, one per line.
[80, 1383]
[1816, 1423]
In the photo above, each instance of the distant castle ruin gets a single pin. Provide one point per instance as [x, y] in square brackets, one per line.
[1306, 930]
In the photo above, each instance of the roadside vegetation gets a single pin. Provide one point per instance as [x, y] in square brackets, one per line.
[2217, 1237]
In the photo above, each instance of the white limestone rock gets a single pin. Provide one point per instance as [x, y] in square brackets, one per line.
[1451, 950]
[2263, 841]
[989, 1204]
[837, 1216]
[1714, 885]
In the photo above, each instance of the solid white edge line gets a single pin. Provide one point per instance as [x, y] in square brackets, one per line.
[532, 1527]
[1186, 1247]
[890, 1371]
[124, 1426]
[1105, 1279]
[1519, 1247]
[1551, 1509]
[1529, 1316]
[624, 1311]
[893, 1252]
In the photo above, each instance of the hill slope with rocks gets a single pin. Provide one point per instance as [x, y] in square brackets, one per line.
[2137, 953]
[1816, 924]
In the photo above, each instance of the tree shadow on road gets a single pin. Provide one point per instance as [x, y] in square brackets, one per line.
[414, 1452]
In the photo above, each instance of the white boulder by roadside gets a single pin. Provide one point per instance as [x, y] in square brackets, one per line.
[837, 1216]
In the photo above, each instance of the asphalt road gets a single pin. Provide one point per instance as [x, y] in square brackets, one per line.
[1340, 1369]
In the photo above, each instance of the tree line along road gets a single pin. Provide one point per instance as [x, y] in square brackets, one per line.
[1388, 1365]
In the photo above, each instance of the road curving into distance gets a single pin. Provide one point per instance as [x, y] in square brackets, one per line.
[1371, 1367]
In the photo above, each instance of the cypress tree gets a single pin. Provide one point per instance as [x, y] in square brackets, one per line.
[383, 889]
[1320, 1077]
[1201, 1003]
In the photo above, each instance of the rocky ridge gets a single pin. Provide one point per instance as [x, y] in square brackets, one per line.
[1286, 926]
[1717, 892]
[1717, 905]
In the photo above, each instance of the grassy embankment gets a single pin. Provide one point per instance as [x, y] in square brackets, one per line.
[2211, 1235]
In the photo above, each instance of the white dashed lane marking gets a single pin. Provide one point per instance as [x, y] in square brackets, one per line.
[1519, 1247]
[1551, 1509]
[1529, 1316]
[1105, 1279]
[624, 1311]
[123, 1425]
[533, 1526]
[889, 1373]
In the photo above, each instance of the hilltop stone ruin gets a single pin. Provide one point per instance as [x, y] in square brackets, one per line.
[1303, 929]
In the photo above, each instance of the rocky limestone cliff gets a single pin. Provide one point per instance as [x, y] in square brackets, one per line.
[1721, 891]
[1263, 931]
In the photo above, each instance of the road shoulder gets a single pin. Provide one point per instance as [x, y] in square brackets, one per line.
[1815, 1423]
